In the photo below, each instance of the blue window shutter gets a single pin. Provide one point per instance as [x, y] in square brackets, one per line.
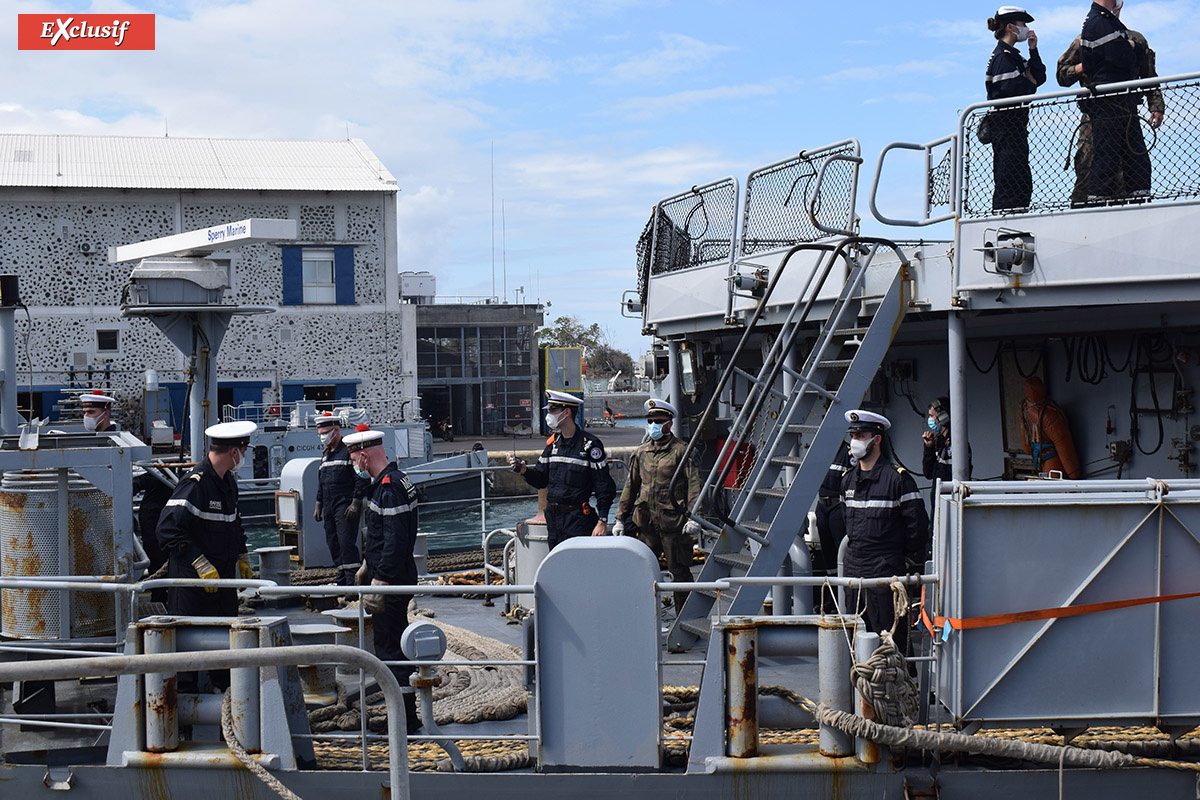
[347, 391]
[293, 276]
[292, 393]
[343, 274]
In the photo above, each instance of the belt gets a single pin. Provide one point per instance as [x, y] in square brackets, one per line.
[829, 501]
[564, 508]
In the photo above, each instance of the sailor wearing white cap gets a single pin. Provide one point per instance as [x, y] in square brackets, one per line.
[649, 507]
[886, 523]
[572, 468]
[390, 534]
[201, 529]
[338, 498]
[97, 411]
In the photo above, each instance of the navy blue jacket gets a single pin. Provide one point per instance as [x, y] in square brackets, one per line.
[886, 520]
[1006, 72]
[573, 470]
[391, 527]
[336, 479]
[202, 518]
[1106, 52]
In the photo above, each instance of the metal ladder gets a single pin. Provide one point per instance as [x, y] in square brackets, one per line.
[772, 505]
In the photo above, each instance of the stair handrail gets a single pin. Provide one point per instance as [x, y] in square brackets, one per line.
[779, 345]
[710, 409]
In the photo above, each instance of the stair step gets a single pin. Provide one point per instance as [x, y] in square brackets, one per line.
[756, 526]
[800, 428]
[740, 560]
[851, 331]
[836, 363]
[700, 626]
[778, 492]
[787, 461]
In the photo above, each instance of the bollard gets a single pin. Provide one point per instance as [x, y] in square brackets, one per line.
[865, 643]
[833, 664]
[275, 564]
[162, 716]
[741, 713]
[243, 688]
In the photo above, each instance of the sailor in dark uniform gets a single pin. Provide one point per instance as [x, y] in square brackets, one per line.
[937, 462]
[1009, 75]
[886, 523]
[338, 503]
[201, 529]
[572, 468]
[390, 523]
[1119, 149]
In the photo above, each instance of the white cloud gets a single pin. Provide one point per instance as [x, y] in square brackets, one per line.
[677, 54]
[647, 107]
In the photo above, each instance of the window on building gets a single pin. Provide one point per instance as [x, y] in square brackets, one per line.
[318, 275]
[108, 341]
[320, 288]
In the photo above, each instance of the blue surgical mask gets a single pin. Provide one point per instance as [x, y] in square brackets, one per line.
[362, 473]
[933, 424]
[654, 430]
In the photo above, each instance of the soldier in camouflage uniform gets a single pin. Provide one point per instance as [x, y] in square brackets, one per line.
[661, 520]
[1070, 70]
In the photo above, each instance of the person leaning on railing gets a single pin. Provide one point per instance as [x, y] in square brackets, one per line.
[1070, 70]
[1010, 75]
[1110, 55]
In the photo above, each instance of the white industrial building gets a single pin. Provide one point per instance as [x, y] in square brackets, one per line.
[339, 331]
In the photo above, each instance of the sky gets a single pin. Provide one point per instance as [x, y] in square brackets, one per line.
[537, 135]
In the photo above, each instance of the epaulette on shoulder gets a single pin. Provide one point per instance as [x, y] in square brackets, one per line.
[196, 476]
[550, 440]
[386, 480]
[899, 469]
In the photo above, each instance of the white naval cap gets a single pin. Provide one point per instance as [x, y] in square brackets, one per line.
[557, 398]
[362, 438]
[861, 420]
[231, 434]
[661, 406]
[95, 398]
[325, 418]
[1013, 14]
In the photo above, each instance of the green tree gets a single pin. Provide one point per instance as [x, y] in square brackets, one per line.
[603, 359]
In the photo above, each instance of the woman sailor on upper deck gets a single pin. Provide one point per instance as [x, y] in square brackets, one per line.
[1010, 75]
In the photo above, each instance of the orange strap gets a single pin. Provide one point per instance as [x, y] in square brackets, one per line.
[939, 623]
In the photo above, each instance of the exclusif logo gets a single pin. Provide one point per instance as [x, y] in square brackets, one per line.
[85, 32]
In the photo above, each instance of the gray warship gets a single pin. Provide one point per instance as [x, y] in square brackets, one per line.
[1056, 612]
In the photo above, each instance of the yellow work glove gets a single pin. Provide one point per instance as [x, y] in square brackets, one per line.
[205, 569]
[244, 570]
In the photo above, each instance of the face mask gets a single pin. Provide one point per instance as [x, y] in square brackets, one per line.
[326, 438]
[1022, 32]
[654, 430]
[90, 423]
[933, 424]
[362, 473]
[239, 458]
[552, 420]
[860, 447]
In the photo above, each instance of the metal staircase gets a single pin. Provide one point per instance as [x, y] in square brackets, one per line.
[771, 506]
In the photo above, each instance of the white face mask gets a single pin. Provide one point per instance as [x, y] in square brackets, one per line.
[90, 423]
[326, 438]
[1022, 32]
[239, 458]
[860, 447]
[553, 420]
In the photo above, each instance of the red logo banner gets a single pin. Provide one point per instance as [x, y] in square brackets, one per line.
[85, 31]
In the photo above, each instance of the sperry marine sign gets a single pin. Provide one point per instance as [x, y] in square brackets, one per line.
[85, 31]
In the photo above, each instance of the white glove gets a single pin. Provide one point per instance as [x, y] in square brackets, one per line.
[618, 528]
[373, 603]
[360, 575]
[692, 528]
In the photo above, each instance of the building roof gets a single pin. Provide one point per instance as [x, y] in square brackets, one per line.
[135, 162]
